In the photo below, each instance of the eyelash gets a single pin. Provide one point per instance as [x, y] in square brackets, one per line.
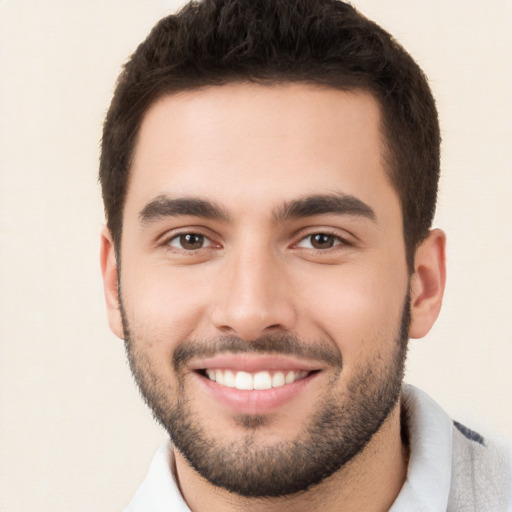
[180, 236]
[337, 241]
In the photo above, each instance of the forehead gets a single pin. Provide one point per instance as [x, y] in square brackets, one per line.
[242, 143]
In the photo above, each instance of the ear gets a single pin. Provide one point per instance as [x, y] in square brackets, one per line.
[109, 270]
[427, 283]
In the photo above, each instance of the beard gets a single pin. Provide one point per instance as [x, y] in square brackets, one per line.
[343, 424]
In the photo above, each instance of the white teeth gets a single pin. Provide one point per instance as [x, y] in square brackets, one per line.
[290, 377]
[229, 379]
[219, 377]
[278, 379]
[243, 380]
[260, 380]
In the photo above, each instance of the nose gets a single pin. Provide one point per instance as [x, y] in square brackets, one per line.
[253, 297]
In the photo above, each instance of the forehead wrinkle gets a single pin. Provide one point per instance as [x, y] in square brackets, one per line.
[322, 204]
[165, 206]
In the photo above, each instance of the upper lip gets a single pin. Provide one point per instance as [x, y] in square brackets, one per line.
[253, 363]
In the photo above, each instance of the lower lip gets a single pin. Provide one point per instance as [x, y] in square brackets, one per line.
[254, 401]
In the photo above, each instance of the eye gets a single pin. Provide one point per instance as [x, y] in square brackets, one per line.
[320, 241]
[189, 242]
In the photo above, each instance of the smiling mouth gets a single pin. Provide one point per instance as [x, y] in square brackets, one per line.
[262, 380]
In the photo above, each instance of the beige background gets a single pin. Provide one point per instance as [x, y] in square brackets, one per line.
[74, 435]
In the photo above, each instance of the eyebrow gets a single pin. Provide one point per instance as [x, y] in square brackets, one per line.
[323, 204]
[164, 206]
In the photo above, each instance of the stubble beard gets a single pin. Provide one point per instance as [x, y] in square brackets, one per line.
[340, 429]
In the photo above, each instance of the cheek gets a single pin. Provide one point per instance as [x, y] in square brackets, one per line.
[358, 308]
[163, 306]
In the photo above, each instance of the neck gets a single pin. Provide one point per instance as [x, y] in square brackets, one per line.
[371, 482]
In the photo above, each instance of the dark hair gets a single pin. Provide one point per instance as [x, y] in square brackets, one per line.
[325, 42]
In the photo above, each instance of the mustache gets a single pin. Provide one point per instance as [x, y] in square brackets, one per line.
[289, 345]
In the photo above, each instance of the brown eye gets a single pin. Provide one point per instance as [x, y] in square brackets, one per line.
[322, 241]
[189, 242]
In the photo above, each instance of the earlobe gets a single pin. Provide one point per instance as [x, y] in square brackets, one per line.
[110, 282]
[427, 283]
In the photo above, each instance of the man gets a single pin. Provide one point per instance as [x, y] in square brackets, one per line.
[269, 171]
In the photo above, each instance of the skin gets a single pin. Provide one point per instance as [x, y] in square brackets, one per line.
[251, 150]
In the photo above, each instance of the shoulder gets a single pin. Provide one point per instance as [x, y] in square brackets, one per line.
[159, 492]
[481, 472]
[451, 467]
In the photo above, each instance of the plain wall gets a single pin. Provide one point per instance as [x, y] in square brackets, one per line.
[74, 434]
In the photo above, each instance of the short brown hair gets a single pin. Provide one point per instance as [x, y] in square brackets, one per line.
[326, 42]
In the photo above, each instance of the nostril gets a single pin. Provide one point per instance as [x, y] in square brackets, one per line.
[249, 317]
[226, 329]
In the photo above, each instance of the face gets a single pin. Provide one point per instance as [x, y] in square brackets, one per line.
[263, 285]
